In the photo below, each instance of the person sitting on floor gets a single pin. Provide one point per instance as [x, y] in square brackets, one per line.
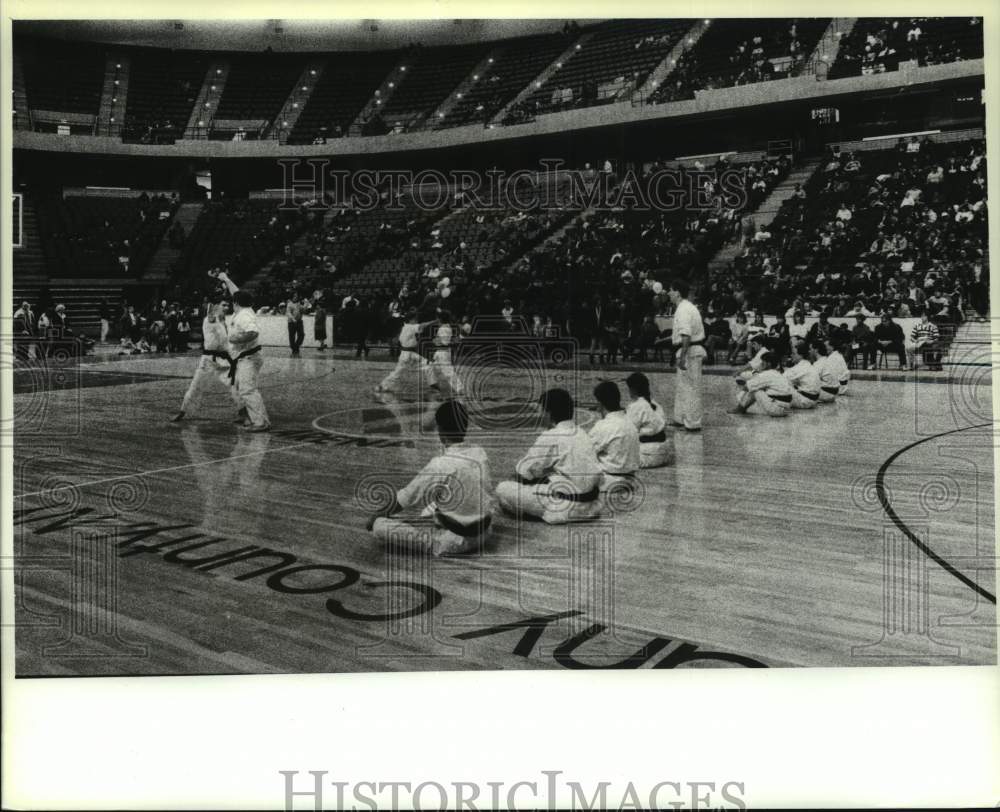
[558, 480]
[768, 389]
[829, 377]
[803, 377]
[452, 491]
[615, 437]
[651, 422]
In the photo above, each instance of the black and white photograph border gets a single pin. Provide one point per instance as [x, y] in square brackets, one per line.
[439, 352]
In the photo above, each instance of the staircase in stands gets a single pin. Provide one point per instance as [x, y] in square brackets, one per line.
[765, 213]
[161, 264]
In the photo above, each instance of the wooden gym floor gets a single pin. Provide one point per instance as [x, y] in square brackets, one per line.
[861, 533]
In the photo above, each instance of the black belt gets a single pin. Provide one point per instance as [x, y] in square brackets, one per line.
[589, 496]
[831, 390]
[217, 354]
[659, 437]
[234, 361]
[809, 395]
[692, 343]
[782, 398]
[467, 531]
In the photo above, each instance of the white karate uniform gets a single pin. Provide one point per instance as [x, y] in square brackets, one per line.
[770, 390]
[409, 359]
[563, 458]
[456, 505]
[616, 443]
[829, 380]
[248, 369]
[209, 366]
[840, 369]
[687, 395]
[805, 382]
[442, 366]
[650, 421]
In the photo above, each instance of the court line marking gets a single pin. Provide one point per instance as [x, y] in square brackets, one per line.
[887, 507]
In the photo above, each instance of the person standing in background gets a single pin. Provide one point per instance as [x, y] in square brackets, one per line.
[104, 313]
[296, 329]
[688, 338]
[319, 326]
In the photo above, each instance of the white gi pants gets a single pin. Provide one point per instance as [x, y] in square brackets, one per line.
[408, 362]
[826, 395]
[247, 370]
[656, 455]
[800, 401]
[687, 395]
[539, 502]
[423, 535]
[767, 404]
[206, 370]
[444, 371]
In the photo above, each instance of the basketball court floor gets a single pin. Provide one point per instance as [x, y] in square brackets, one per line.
[858, 534]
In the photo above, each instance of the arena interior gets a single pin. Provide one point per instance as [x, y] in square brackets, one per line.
[540, 187]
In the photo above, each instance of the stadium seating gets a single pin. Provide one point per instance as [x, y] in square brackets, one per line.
[347, 83]
[430, 77]
[879, 44]
[96, 237]
[742, 51]
[619, 56]
[514, 65]
[256, 89]
[66, 78]
[163, 86]
[873, 228]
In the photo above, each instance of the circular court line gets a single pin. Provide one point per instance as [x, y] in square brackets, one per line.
[887, 507]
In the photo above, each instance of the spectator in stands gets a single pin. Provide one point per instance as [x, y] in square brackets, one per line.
[822, 330]
[889, 338]
[738, 342]
[862, 343]
[718, 334]
[779, 337]
[925, 339]
[130, 327]
[24, 331]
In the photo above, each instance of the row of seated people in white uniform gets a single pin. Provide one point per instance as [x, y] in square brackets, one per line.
[564, 477]
[815, 375]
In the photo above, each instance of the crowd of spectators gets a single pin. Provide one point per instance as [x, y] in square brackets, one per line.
[879, 45]
[898, 232]
[753, 59]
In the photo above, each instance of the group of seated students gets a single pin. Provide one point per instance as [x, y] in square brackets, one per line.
[568, 475]
[812, 372]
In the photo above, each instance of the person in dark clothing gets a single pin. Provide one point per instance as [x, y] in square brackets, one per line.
[862, 343]
[362, 324]
[718, 336]
[778, 339]
[889, 338]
